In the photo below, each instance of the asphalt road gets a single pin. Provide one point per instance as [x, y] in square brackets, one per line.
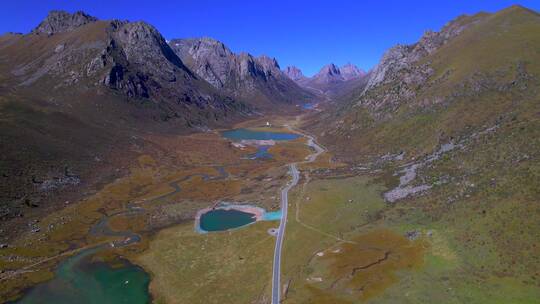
[293, 171]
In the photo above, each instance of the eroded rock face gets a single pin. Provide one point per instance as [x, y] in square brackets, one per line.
[294, 73]
[61, 21]
[398, 76]
[240, 74]
[132, 58]
[211, 59]
[329, 73]
[217, 64]
[400, 58]
[351, 71]
[143, 64]
[269, 66]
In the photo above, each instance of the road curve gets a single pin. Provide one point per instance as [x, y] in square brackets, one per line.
[293, 171]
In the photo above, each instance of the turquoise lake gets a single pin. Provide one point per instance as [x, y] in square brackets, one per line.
[220, 219]
[239, 134]
[79, 280]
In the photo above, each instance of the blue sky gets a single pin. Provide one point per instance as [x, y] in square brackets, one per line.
[307, 34]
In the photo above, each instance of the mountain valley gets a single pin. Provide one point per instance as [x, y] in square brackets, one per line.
[417, 181]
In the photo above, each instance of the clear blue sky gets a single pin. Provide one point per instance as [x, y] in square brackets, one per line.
[307, 34]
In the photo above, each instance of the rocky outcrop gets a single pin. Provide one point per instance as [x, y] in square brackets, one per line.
[61, 21]
[208, 58]
[269, 66]
[396, 66]
[397, 63]
[143, 65]
[328, 74]
[294, 73]
[253, 79]
[132, 58]
[350, 71]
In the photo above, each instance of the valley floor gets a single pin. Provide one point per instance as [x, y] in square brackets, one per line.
[343, 243]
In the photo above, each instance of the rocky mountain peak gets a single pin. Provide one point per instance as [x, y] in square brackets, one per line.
[330, 70]
[207, 57]
[350, 71]
[201, 47]
[330, 79]
[62, 21]
[294, 73]
[329, 73]
[143, 42]
[252, 78]
[268, 64]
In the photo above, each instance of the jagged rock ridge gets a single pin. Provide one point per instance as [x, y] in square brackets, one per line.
[399, 63]
[294, 73]
[253, 79]
[350, 71]
[130, 57]
[331, 80]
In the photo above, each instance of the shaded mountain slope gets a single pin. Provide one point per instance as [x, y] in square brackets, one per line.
[476, 69]
[76, 95]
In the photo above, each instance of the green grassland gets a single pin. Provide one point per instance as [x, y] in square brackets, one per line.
[225, 267]
[479, 249]
[483, 208]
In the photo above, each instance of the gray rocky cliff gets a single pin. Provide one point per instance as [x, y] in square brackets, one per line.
[401, 57]
[350, 71]
[242, 75]
[294, 73]
[61, 21]
[131, 58]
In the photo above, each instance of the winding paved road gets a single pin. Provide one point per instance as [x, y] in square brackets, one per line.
[293, 171]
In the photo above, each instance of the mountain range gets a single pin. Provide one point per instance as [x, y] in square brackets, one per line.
[256, 80]
[441, 137]
[76, 89]
[331, 80]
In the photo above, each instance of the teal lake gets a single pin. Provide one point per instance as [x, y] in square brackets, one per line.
[79, 280]
[220, 219]
[225, 219]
